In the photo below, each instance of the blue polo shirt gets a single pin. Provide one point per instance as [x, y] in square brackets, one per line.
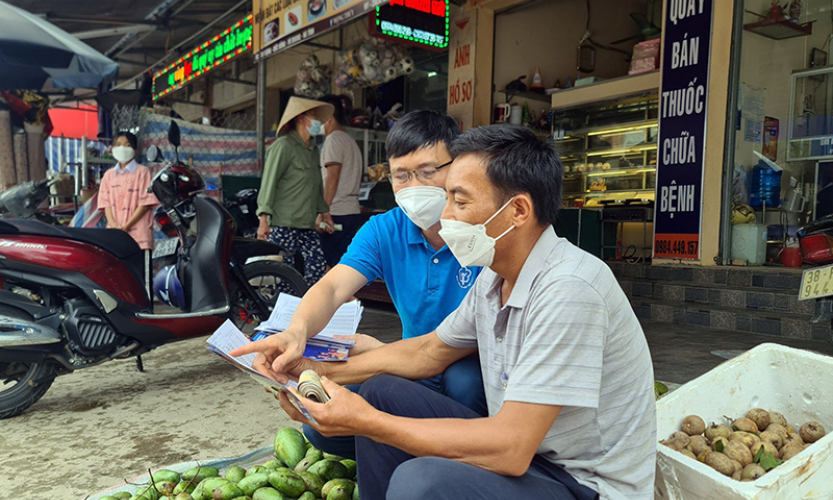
[426, 285]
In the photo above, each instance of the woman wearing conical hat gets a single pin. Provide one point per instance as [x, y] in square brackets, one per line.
[291, 191]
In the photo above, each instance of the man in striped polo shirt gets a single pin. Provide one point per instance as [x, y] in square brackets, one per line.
[566, 367]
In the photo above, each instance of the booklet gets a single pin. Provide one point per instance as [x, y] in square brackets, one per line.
[228, 338]
[321, 347]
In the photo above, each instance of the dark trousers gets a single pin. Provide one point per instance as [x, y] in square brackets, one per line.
[335, 245]
[305, 242]
[462, 382]
[385, 472]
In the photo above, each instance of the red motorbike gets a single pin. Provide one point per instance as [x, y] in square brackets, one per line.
[76, 298]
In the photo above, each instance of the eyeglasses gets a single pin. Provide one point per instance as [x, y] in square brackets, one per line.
[424, 174]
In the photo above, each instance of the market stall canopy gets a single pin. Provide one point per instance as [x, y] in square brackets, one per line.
[35, 54]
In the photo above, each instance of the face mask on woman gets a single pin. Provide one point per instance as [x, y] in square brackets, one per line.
[123, 153]
[315, 128]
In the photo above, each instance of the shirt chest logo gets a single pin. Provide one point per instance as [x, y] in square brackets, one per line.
[465, 278]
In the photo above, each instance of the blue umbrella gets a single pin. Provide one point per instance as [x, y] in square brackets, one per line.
[35, 54]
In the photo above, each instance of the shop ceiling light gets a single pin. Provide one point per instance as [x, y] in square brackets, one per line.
[617, 173]
[609, 152]
[630, 128]
[645, 147]
[432, 74]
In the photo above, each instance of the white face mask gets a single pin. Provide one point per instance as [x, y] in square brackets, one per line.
[422, 204]
[123, 153]
[469, 243]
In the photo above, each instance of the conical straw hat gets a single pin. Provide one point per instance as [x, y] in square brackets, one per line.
[298, 106]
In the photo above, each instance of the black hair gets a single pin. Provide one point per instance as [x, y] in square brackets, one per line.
[519, 161]
[341, 107]
[420, 129]
[131, 138]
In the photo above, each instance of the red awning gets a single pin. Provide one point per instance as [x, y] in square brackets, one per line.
[75, 123]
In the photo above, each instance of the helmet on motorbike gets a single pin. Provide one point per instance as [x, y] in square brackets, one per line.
[167, 287]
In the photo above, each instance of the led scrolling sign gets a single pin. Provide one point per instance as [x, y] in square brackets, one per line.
[228, 45]
[418, 22]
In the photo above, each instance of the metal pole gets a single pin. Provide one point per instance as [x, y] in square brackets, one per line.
[82, 175]
[725, 255]
[261, 112]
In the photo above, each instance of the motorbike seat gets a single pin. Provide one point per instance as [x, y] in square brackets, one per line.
[114, 241]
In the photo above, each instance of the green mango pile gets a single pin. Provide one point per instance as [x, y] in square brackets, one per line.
[298, 472]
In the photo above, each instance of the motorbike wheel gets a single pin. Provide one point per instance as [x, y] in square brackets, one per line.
[269, 279]
[22, 384]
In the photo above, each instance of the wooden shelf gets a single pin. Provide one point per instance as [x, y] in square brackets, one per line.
[535, 96]
[606, 90]
[778, 27]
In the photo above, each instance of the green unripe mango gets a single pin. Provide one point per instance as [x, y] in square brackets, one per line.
[290, 446]
[356, 492]
[306, 496]
[274, 464]
[242, 498]
[197, 493]
[330, 456]
[146, 493]
[165, 488]
[313, 455]
[167, 476]
[303, 465]
[185, 487]
[259, 469]
[267, 493]
[340, 493]
[197, 474]
[122, 495]
[228, 491]
[252, 483]
[108, 497]
[313, 483]
[287, 482]
[329, 469]
[211, 484]
[342, 484]
[351, 467]
[183, 496]
[235, 473]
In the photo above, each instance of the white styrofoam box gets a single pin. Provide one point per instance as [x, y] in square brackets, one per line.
[794, 382]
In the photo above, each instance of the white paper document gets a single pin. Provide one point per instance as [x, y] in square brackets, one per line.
[228, 338]
[345, 321]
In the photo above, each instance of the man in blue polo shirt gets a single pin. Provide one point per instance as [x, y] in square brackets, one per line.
[403, 247]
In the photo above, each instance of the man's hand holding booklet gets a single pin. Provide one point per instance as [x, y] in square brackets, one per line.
[228, 338]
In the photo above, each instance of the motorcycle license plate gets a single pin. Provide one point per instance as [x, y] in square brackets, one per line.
[164, 248]
[816, 283]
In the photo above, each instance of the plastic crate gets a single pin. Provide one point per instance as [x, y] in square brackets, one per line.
[797, 383]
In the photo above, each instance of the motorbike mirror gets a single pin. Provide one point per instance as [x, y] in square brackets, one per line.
[173, 134]
[153, 154]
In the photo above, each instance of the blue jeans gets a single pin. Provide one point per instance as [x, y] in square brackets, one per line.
[385, 472]
[462, 382]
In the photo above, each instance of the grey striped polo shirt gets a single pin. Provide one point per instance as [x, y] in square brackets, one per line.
[568, 337]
